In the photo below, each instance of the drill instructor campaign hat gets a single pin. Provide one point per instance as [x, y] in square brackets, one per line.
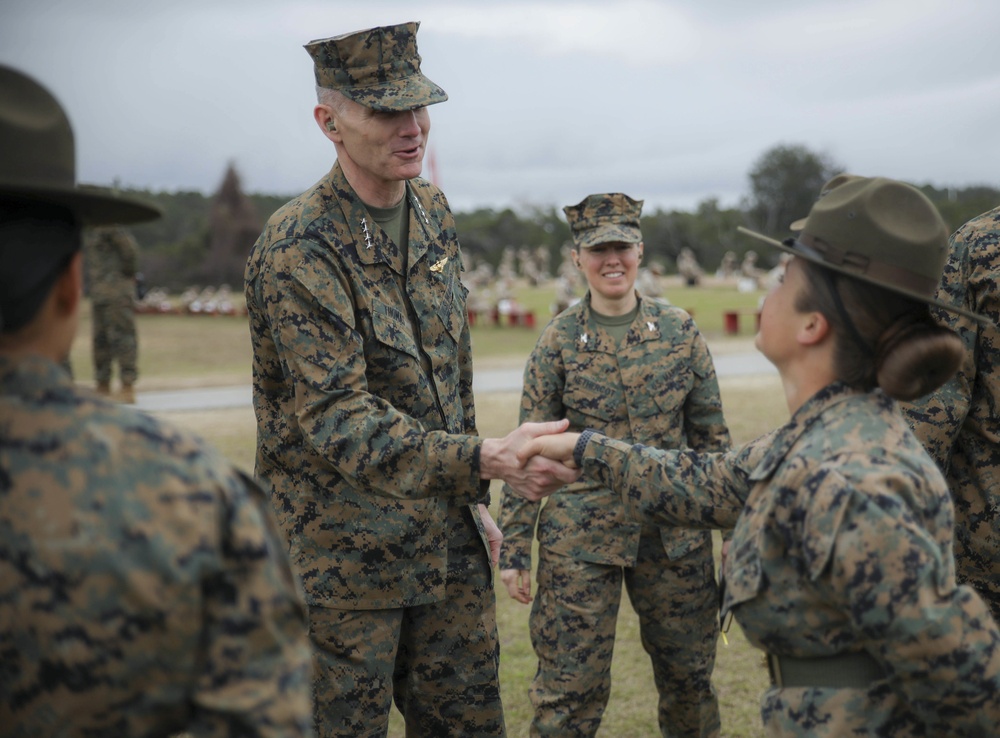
[38, 157]
[880, 231]
[377, 67]
[827, 186]
[604, 218]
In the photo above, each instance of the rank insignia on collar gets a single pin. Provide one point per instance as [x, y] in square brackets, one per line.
[439, 266]
[368, 237]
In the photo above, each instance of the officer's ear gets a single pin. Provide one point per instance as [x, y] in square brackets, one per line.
[327, 122]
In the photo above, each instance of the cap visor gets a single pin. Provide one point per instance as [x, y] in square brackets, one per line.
[398, 95]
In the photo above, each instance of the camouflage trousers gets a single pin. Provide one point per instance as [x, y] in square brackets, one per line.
[438, 662]
[114, 339]
[573, 620]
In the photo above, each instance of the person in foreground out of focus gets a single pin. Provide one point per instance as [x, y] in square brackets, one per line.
[144, 586]
[841, 566]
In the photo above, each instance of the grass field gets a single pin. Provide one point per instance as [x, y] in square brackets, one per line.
[179, 351]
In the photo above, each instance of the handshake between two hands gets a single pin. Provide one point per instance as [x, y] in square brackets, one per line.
[535, 459]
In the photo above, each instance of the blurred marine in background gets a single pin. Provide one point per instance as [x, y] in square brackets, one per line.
[112, 259]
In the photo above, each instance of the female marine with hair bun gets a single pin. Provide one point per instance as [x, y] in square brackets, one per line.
[841, 566]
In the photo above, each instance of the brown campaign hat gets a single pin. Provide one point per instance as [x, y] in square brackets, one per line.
[38, 158]
[830, 184]
[377, 67]
[880, 231]
[604, 218]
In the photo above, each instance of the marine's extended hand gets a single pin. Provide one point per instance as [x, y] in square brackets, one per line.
[557, 447]
[518, 583]
[533, 478]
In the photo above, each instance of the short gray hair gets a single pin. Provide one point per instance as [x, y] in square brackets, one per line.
[334, 98]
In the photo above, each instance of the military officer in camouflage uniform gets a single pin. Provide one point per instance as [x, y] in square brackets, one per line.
[366, 425]
[112, 258]
[841, 566]
[960, 423]
[144, 589]
[639, 370]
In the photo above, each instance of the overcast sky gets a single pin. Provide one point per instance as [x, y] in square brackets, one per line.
[670, 101]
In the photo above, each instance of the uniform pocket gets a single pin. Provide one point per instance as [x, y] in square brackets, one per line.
[590, 403]
[392, 329]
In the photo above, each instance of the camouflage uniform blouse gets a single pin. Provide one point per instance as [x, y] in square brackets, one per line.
[843, 543]
[112, 258]
[960, 423]
[658, 387]
[348, 418]
[144, 589]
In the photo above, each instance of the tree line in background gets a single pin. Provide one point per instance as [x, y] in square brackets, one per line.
[203, 240]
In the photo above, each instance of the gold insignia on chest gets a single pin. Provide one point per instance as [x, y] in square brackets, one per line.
[439, 265]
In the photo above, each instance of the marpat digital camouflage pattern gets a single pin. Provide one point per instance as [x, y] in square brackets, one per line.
[366, 434]
[843, 543]
[657, 387]
[378, 68]
[144, 589]
[604, 218]
[960, 422]
[112, 257]
[347, 417]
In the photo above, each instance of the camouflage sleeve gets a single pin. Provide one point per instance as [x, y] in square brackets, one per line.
[468, 398]
[256, 678]
[465, 380]
[129, 254]
[375, 446]
[681, 487]
[937, 418]
[704, 424]
[937, 641]
[541, 400]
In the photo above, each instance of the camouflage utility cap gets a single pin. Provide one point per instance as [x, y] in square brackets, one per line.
[877, 230]
[378, 68]
[608, 218]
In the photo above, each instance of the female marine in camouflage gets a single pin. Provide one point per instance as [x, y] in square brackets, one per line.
[841, 566]
[640, 370]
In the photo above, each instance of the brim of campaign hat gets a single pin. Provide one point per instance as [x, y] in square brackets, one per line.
[607, 233]
[797, 248]
[397, 95]
[92, 206]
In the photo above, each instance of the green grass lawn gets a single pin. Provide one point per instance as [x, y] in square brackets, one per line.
[180, 351]
[184, 350]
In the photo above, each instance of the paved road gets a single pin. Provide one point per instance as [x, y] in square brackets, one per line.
[496, 380]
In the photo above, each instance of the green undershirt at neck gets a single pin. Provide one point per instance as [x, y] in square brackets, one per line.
[617, 325]
[395, 222]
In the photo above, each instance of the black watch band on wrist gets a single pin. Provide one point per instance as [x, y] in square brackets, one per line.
[581, 444]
